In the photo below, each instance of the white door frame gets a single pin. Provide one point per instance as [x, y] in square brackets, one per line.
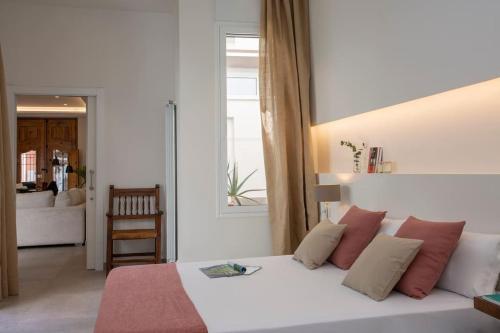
[94, 236]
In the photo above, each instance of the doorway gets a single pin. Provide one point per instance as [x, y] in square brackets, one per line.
[51, 149]
[65, 121]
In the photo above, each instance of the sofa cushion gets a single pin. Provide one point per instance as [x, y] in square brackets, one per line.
[35, 200]
[77, 196]
[62, 200]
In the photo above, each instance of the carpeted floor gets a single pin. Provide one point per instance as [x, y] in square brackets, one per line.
[57, 293]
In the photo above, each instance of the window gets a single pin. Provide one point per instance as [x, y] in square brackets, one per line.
[59, 171]
[28, 166]
[242, 180]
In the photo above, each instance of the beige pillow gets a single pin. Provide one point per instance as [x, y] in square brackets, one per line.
[62, 200]
[75, 196]
[380, 266]
[319, 244]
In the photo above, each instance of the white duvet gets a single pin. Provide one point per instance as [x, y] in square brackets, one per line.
[286, 297]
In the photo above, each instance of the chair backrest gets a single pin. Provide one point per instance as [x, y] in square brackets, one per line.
[134, 202]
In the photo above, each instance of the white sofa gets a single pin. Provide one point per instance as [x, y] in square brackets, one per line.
[43, 219]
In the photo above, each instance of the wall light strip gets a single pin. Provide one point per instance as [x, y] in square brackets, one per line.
[59, 109]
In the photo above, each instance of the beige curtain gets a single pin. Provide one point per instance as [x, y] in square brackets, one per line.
[284, 97]
[8, 242]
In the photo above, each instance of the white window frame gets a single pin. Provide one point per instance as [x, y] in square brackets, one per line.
[223, 209]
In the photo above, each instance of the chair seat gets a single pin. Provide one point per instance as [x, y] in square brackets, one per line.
[133, 234]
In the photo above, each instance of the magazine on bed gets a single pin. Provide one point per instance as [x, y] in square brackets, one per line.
[228, 270]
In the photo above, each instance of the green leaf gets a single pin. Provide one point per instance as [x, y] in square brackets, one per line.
[245, 180]
[234, 186]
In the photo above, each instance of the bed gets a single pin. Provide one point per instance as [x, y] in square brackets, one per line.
[285, 297]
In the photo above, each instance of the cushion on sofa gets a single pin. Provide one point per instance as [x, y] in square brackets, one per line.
[35, 200]
[62, 200]
[76, 196]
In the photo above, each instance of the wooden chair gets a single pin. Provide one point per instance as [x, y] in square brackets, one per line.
[133, 204]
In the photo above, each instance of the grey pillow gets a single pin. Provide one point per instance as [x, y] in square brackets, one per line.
[381, 264]
[319, 244]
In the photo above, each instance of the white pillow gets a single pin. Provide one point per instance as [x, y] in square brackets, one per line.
[474, 267]
[62, 200]
[390, 226]
[75, 195]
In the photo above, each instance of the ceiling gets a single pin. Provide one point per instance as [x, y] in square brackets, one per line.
[29, 104]
[161, 6]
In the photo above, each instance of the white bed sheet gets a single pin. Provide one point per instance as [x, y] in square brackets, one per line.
[285, 297]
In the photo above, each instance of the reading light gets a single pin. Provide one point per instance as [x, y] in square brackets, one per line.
[443, 117]
[51, 109]
[327, 194]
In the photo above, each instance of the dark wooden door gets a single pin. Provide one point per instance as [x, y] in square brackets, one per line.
[31, 135]
[62, 135]
[73, 180]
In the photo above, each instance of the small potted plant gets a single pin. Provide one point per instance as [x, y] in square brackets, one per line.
[235, 190]
[356, 154]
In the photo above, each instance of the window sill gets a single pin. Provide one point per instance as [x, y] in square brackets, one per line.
[242, 211]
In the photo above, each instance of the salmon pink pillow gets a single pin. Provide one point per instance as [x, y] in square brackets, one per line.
[362, 226]
[440, 240]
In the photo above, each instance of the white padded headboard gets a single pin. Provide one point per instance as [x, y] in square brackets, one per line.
[473, 198]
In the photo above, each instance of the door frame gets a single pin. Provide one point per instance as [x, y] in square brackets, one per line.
[94, 235]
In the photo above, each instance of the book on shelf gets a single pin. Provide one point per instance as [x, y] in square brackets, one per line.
[380, 159]
[375, 160]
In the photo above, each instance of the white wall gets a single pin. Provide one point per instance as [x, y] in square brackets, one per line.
[372, 54]
[247, 11]
[449, 133]
[202, 235]
[369, 55]
[127, 53]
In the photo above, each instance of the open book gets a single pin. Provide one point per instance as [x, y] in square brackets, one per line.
[228, 270]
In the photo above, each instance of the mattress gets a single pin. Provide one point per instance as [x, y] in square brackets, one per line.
[285, 297]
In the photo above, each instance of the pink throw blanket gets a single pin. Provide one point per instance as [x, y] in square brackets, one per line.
[147, 298]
